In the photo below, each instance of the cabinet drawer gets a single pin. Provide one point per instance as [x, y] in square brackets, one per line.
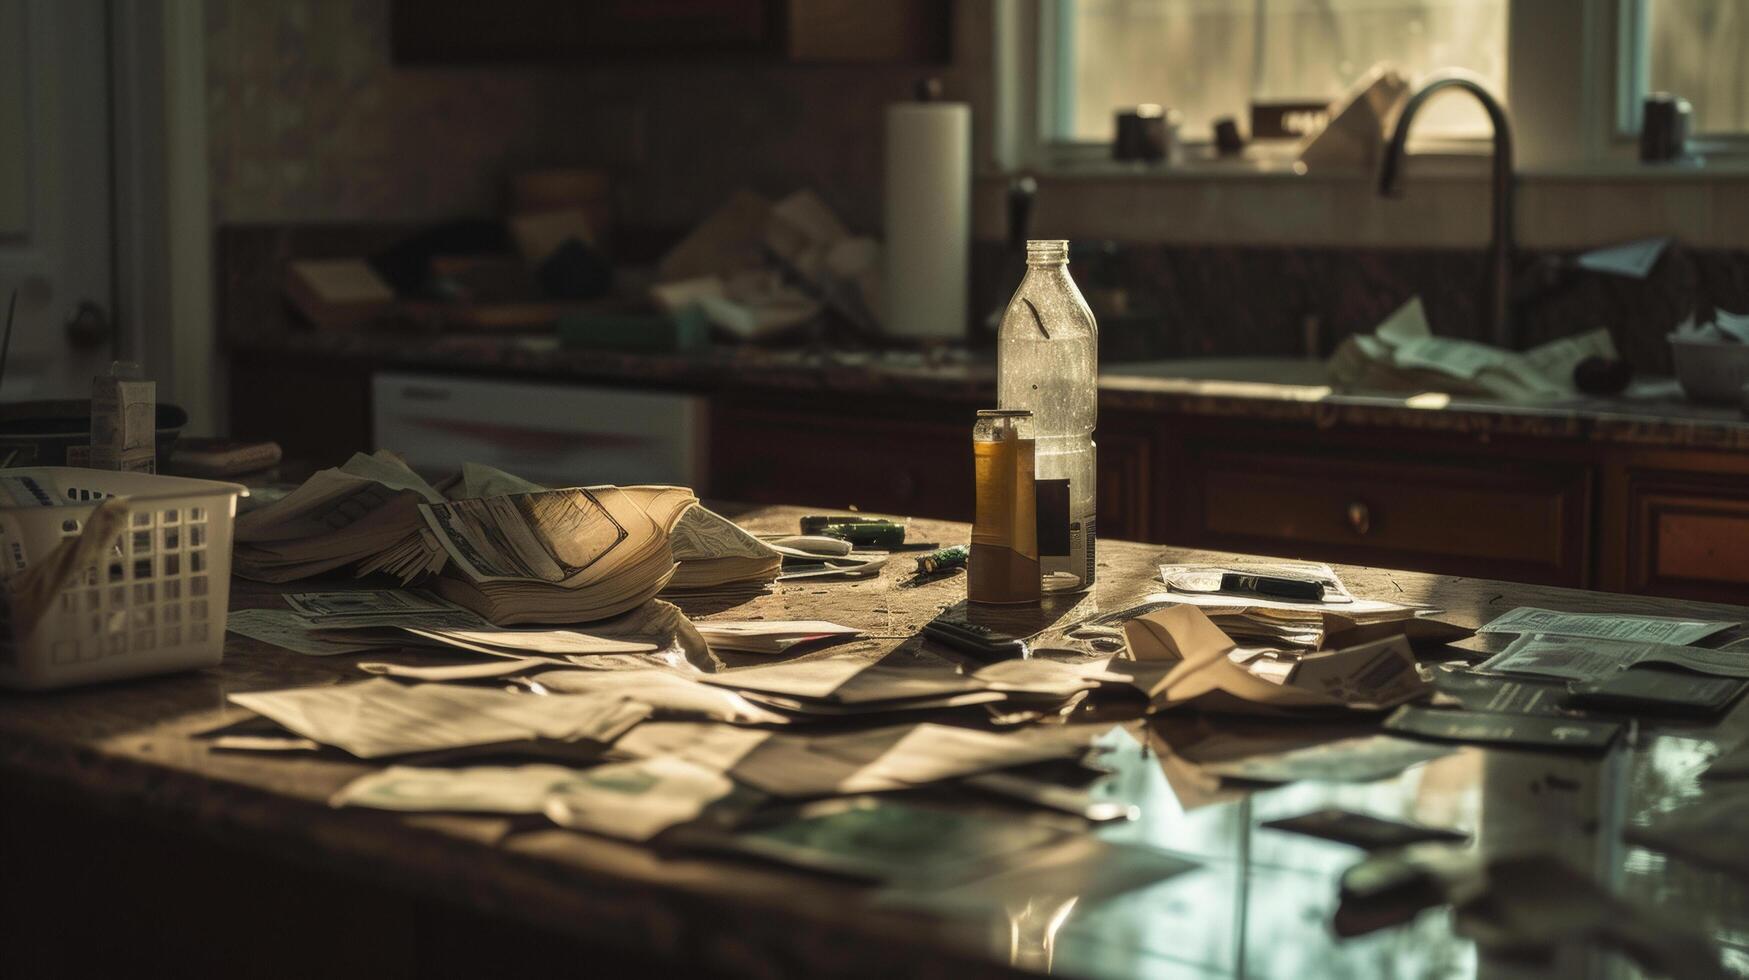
[1496, 518]
[1688, 536]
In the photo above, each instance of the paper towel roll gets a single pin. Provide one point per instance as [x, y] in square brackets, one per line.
[928, 211]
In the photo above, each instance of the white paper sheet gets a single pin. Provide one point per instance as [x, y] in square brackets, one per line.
[1606, 626]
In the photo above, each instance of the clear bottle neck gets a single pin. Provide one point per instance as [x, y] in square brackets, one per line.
[1047, 254]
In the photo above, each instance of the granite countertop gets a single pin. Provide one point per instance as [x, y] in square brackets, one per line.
[136, 748]
[1656, 417]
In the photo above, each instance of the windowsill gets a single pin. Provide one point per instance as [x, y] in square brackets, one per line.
[1085, 162]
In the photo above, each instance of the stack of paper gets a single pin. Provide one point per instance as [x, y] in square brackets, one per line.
[558, 556]
[356, 620]
[1181, 658]
[363, 512]
[1403, 355]
[714, 552]
[1307, 624]
[513, 551]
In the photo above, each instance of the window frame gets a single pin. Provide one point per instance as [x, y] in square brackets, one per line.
[1596, 102]
[1633, 83]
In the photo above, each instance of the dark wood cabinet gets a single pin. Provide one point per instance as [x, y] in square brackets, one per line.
[909, 460]
[1687, 535]
[1648, 521]
[1497, 517]
[441, 32]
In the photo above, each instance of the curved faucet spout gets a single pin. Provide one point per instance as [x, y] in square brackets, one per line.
[1500, 245]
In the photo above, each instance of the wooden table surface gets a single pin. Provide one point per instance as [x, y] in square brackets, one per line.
[108, 785]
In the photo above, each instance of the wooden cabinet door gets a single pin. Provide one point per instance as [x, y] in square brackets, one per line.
[1688, 535]
[1485, 515]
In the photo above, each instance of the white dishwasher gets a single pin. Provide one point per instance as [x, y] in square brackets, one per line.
[556, 434]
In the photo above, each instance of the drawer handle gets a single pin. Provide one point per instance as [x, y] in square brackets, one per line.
[1359, 518]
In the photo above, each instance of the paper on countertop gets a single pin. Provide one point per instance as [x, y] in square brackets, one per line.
[896, 758]
[1632, 259]
[1337, 599]
[768, 636]
[290, 631]
[1606, 626]
[845, 680]
[876, 760]
[499, 641]
[498, 667]
[1592, 659]
[1403, 354]
[472, 789]
[1724, 326]
[1199, 670]
[667, 693]
[637, 800]
[629, 800]
[1335, 593]
[373, 608]
[379, 717]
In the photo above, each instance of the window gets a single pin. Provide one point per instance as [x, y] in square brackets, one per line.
[1580, 68]
[1696, 49]
[1212, 58]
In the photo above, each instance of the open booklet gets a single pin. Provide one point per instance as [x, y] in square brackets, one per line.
[509, 550]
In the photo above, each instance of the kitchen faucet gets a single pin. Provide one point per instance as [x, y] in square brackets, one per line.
[1500, 242]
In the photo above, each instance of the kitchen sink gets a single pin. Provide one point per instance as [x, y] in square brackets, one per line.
[1266, 370]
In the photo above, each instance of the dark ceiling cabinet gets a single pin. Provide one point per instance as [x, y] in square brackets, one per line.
[438, 32]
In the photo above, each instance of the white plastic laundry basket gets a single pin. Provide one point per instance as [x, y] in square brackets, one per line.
[154, 602]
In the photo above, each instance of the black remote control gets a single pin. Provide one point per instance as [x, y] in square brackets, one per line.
[977, 641]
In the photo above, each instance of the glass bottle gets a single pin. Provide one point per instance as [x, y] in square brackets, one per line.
[1047, 362]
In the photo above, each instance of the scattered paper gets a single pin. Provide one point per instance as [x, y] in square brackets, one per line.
[628, 800]
[379, 717]
[552, 642]
[291, 631]
[1197, 657]
[1633, 259]
[768, 636]
[457, 672]
[637, 800]
[1362, 759]
[1606, 626]
[372, 608]
[895, 758]
[1403, 354]
[475, 789]
[1590, 659]
[846, 680]
[668, 694]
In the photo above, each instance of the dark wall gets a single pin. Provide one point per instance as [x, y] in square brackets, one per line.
[309, 119]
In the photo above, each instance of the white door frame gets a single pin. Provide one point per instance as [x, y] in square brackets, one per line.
[163, 229]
